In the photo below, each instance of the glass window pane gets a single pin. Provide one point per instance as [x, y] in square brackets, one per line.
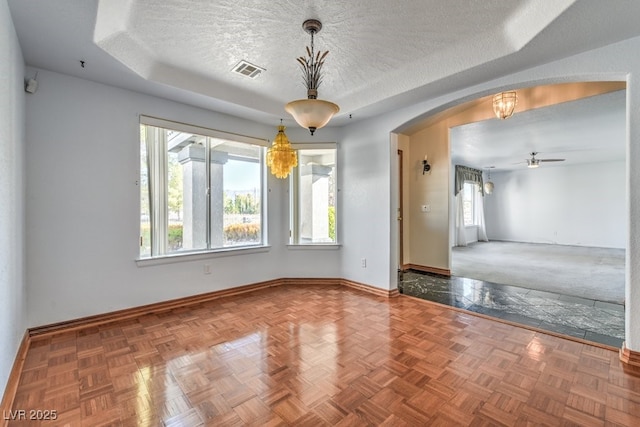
[186, 193]
[316, 196]
[469, 194]
[236, 189]
[198, 192]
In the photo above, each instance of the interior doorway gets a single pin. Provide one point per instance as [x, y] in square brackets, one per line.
[551, 222]
[504, 300]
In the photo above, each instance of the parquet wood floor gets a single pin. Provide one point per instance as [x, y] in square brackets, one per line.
[321, 355]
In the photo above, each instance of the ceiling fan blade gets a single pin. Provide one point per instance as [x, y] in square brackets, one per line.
[551, 160]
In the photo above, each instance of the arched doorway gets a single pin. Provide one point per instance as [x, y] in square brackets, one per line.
[428, 225]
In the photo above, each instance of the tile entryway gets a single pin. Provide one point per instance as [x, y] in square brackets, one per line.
[592, 320]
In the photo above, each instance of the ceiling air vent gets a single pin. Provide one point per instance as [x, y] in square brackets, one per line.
[248, 69]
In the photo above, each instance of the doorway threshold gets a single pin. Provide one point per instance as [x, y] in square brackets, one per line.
[596, 321]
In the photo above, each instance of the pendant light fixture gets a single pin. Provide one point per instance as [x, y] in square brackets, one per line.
[281, 157]
[504, 103]
[312, 113]
[488, 186]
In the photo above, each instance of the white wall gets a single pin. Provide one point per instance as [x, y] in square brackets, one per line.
[582, 205]
[83, 206]
[365, 156]
[12, 113]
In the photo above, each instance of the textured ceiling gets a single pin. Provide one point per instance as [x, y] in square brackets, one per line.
[383, 55]
[377, 49]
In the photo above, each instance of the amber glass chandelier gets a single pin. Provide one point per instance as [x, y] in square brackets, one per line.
[312, 113]
[281, 158]
[504, 103]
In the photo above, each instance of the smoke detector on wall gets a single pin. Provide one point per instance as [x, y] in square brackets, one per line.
[31, 85]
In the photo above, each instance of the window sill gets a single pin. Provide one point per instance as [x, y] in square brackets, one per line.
[196, 256]
[314, 246]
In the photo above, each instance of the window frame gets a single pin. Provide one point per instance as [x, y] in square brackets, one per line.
[155, 257]
[294, 199]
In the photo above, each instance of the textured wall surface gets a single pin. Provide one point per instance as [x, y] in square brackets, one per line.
[12, 122]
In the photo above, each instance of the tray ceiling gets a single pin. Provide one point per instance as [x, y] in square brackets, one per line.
[383, 55]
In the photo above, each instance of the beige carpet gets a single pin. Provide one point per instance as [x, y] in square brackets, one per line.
[594, 273]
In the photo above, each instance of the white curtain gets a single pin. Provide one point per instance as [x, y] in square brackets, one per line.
[482, 230]
[461, 238]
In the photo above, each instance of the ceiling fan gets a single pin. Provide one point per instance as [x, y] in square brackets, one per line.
[533, 162]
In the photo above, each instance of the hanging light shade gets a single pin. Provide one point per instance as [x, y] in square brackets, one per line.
[312, 113]
[488, 186]
[281, 158]
[504, 103]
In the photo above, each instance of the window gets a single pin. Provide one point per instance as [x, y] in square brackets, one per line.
[200, 189]
[313, 195]
[470, 192]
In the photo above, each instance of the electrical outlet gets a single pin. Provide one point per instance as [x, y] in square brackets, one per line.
[206, 269]
[363, 263]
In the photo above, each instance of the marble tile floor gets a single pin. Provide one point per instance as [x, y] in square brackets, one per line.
[591, 320]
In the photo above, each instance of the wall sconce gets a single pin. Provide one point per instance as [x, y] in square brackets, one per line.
[426, 167]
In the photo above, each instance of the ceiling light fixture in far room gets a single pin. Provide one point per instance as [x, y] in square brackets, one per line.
[488, 186]
[312, 113]
[281, 157]
[504, 103]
